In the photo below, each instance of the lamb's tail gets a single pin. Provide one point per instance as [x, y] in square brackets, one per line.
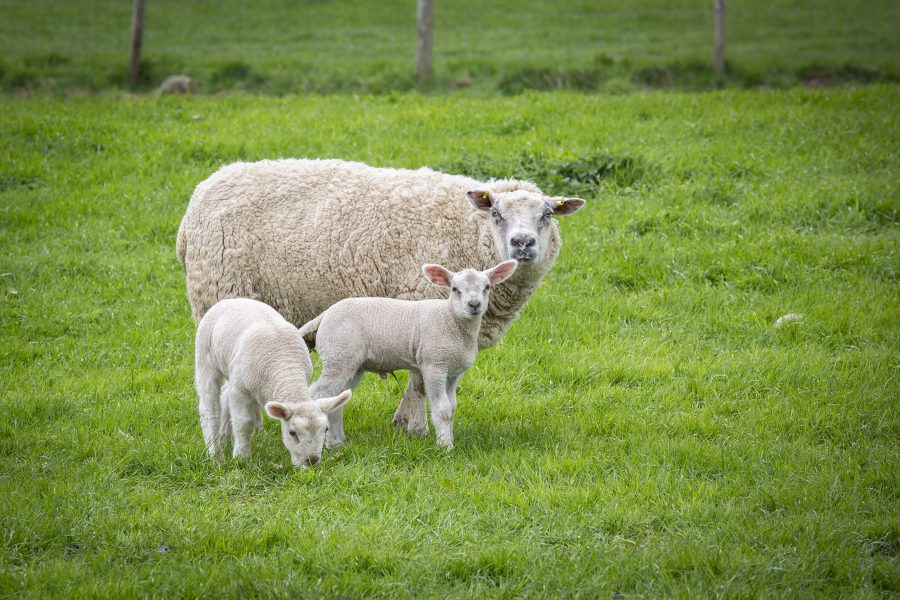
[309, 330]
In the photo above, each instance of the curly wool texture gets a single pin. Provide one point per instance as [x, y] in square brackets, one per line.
[302, 234]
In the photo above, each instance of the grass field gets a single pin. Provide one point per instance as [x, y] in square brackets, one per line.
[275, 47]
[641, 431]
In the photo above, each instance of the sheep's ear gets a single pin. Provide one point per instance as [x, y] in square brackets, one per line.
[502, 271]
[565, 206]
[328, 405]
[481, 199]
[437, 275]
[277, 410]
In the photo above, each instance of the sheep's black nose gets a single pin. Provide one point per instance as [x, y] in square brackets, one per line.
[312, 460]
[523, 241]
[474, 304]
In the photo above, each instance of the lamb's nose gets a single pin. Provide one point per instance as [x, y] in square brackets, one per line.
[312, 460]
[474, 304]
[523, 241]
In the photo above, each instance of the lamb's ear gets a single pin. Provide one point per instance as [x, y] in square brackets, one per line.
[502, 271]
[565, 206]
[331, 404]
[437, 275]
[278, 410]
[481, 199]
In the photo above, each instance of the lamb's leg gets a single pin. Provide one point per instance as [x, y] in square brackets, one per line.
[244, 412]
[332, 384]
[412, 414]
[209, 384]
[441, 408]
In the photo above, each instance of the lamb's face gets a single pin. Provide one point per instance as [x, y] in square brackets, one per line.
[470, 290]
[304, 425]
[521, 221]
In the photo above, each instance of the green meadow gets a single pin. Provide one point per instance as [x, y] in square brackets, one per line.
[642, 431]
[360, 46]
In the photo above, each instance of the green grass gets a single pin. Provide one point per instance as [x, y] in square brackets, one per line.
[641, 431]
[271, 46]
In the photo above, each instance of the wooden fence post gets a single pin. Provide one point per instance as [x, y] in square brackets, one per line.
[719, 41]
[137, 34]
[424, 39]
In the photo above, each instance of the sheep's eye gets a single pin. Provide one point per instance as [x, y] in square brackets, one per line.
[292, 432]
[495, 213]
[326, 430]
[547, 215]
[454, 290]
[487, 288]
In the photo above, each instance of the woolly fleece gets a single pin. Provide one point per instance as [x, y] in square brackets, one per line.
[303, 234]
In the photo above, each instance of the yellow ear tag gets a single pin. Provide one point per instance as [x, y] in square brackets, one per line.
[560, 202]
[485, 195]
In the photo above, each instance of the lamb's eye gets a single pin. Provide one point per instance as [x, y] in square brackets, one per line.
[487, 288]
[547, 215]
[454, 290]
[292, 432]
[495, 213]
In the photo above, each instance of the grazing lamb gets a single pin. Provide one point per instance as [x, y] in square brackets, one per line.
[436, 338]
[301, 235]
[262, 360]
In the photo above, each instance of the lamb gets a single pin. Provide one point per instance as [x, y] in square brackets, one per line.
[301, 235]
[262, 361]
[436, 338]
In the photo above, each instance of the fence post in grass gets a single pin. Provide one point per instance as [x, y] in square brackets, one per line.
[137, 34]
[719, 41]
[424, 38]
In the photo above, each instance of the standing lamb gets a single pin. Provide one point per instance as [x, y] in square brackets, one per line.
[438, 339]
[301, 235]
[262, 361]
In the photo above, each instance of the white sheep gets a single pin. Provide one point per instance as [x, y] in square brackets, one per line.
[262, 361]
[301, 235]
[436, 338]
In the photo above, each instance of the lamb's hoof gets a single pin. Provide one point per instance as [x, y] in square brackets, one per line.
[446, 444]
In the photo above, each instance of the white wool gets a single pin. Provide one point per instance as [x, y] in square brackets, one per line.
[437, 339]
[248, 357]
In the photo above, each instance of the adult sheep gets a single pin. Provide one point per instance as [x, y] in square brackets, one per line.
[301, 235]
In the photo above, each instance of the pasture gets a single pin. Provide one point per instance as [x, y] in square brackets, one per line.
[642, 430]
[276, 47]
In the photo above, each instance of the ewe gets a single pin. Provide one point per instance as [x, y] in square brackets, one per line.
[262, 361]
[301, 235]
[437, 339]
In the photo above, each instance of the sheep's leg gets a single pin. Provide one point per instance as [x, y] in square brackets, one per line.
[209, 384]
[244, 412]
[441, 408]
[331, 384]
[412, 414]
[452, 382]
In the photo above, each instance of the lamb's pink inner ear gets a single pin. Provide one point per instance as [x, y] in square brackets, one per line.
[481, 199]
[566, 206]
[278, 411]
[437, 275]
[502, 271]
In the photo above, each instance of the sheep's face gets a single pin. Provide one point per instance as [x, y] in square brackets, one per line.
[470, 290]
[522, 221]
[304, 425]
